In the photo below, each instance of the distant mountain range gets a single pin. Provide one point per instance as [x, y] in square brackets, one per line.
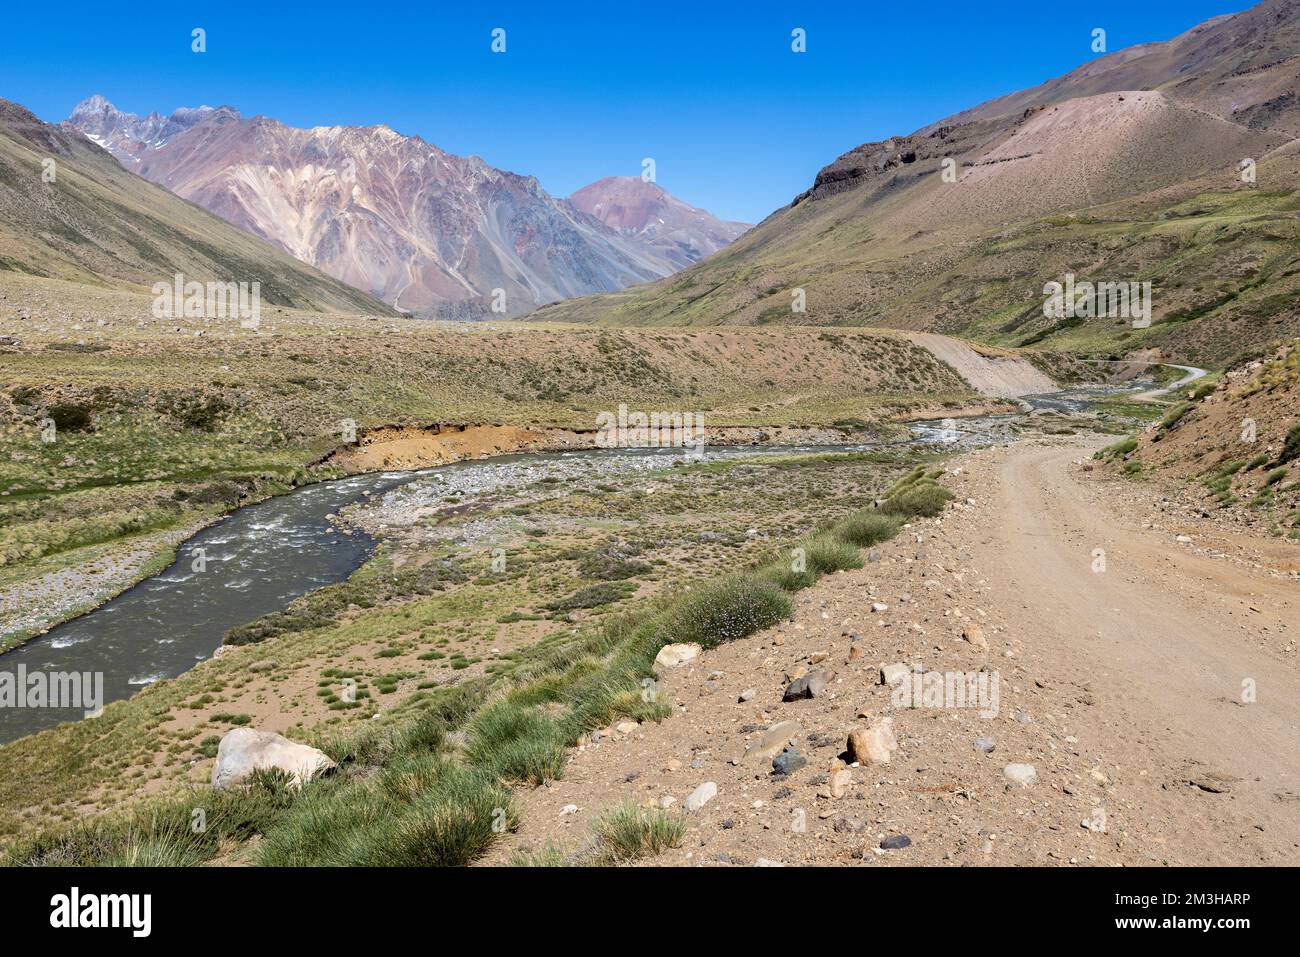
[432, 233]
[1174, 162]
[70, 211]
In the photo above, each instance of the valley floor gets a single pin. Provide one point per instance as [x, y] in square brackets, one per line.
[1155, 695]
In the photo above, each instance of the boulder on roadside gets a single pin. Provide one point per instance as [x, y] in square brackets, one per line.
[245, 750]
[671, 656]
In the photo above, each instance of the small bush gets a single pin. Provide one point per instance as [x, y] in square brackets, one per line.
[727, 609]
[591, 596]
[548, 855]
[866, 528]
[1172, 417]
[519, 743]
[1120, 448]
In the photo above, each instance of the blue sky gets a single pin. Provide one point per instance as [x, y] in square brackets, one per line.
[735, 121]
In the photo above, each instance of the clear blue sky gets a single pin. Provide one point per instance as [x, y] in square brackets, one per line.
[736, 122]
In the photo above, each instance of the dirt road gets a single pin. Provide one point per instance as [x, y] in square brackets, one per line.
[1158, 694]
[1170, 636]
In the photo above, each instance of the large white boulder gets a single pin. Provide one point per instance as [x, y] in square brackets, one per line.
[245, 750]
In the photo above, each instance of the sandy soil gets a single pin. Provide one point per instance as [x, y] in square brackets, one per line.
[1005, 376]
[1155, 698]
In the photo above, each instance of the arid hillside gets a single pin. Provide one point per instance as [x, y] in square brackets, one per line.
[1140, 167]
[1237, 445]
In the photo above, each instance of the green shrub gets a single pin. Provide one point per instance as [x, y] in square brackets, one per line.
[1172, 417]
[727, 609]
[821, 556]
[921, 499]
[1123, 447]
[867, 528]
[592, 596]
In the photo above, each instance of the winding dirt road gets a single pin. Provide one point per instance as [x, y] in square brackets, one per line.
[1157, 695]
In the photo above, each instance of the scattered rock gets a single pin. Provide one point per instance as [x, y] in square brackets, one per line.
[874, 744]
[1095, 821]
[973, 634]
[841, 781]
[893, 674]
[809, 686]
[701, 796]
[788, 761]
[895, 842]
[774, 739]
[1022, 775]
[985, 744]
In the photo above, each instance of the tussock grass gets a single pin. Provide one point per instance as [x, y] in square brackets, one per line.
[917, 494]
[162, 833]
[1119, 449]
[867, 528]
[421, 811]
[548, 855]
[822, 555]
[628, 832]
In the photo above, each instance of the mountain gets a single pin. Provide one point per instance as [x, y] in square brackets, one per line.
[645, 212]
[432, 233]
[1127, 169]
[97, 223]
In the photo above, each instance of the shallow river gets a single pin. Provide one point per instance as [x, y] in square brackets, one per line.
[261, 557]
